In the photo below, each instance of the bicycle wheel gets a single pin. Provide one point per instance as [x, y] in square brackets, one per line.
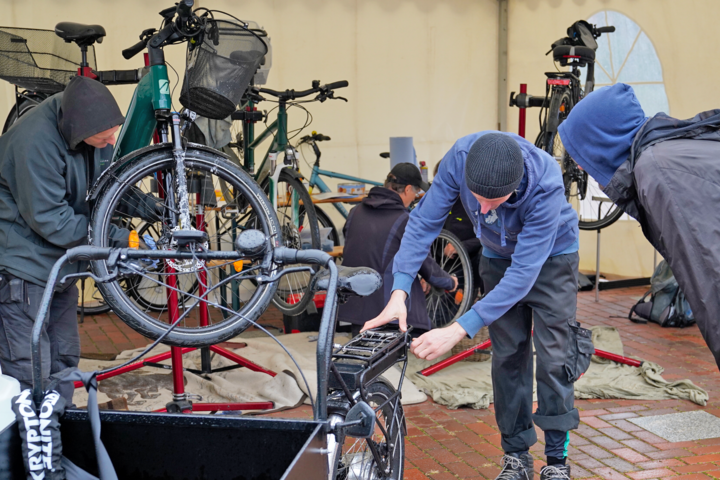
[203, 324]
[299, 231]
[325, 222]
[92, 304]
[445, 307]
[595, 210]
[27, 102]
[353, 457]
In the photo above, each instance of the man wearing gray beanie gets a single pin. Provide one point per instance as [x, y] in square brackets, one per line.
[515, 197]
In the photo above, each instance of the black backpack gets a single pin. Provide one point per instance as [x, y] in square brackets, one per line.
[667, 306]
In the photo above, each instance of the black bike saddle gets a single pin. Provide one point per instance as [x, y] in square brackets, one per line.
[362, 281]
[568, 53]
[79, 33]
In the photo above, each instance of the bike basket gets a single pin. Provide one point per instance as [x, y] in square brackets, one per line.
[39, 60]
[220, 69]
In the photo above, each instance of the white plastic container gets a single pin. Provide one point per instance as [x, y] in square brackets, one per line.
[9, 388]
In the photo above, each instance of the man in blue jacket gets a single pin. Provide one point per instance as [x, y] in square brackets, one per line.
[514, 195]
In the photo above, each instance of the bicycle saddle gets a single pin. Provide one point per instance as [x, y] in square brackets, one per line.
[81, 34]
[573, 54]
[361, 281]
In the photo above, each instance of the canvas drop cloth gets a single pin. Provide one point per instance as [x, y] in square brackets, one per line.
[150, 388]
[468, 384]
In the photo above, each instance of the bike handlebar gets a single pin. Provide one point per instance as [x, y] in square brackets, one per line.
[604, 30]
[292, 94]
[184, 9]
[286, 255]
[128, 53]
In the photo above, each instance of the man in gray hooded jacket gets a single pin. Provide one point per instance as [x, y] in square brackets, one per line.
[48, 161]
[665, 173]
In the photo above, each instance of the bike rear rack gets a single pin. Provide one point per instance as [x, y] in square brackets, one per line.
[367, 356]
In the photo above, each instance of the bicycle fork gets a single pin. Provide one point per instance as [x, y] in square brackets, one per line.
[181, 182]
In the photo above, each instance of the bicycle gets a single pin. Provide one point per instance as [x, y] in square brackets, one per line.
[358, 428]
[563, 90]
[283, 183]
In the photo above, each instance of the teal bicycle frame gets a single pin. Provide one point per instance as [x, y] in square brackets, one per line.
[316, 181]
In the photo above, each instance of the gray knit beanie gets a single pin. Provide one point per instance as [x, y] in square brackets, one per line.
[494, 166]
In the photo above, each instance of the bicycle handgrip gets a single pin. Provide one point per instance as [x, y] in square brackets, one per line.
[287, 256]
[334, 85]
[88, 252]
[184, 8]
[605, 29]
[128, 53]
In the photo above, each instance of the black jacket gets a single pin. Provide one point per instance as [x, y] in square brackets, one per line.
[373, 232]
[460, 224]
[45, 172]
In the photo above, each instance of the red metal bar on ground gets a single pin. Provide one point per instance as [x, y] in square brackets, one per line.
[523, 111]
[618, 358]
[462, 355]
[240, 360]
[454, 359]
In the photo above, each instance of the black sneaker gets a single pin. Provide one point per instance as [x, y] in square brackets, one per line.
[517, 466]
[560, 472]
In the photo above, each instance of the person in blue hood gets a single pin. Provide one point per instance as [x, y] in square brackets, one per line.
[514, 195]
[663, 172]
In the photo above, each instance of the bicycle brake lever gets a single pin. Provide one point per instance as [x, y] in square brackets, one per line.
[340, 98]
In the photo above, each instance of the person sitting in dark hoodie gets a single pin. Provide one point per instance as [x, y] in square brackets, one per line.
[373, 232]
[48, 161]
[663, 172]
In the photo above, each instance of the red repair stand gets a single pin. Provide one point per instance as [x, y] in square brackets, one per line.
[462, 355]
[180, 402]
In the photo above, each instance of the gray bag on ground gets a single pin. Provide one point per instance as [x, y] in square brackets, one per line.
[667, 305]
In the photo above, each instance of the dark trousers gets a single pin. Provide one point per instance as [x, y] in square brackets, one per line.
[60, 340]
[551, 306]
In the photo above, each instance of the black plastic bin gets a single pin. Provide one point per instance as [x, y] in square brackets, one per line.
[155, 446]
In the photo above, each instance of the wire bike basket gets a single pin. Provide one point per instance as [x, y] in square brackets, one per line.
[220, 67]
[39, 60]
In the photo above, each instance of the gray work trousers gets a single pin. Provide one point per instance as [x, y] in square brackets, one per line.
[60, 340]
[552, 304]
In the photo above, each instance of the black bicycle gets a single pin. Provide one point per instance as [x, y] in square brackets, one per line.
[563, 91]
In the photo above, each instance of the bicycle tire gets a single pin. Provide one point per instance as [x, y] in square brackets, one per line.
[295, 287]
[561, 103]
[345, 465]
[197, 161]
[27, 102]
[325, 222]
[443, 307]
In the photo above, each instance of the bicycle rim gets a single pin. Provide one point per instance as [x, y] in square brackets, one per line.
[204, 170]
[445, 307]
[355, 460]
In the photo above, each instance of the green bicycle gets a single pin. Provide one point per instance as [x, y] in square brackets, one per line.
[175, 189]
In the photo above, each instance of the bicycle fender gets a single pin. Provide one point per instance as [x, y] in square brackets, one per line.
[133, 157]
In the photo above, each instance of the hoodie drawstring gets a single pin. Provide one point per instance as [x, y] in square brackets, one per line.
[502, 228]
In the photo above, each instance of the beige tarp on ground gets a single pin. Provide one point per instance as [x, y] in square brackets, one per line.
[469, 383]
[462, 384]
[151, 388]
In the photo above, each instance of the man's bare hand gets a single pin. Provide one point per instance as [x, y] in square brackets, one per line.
[425, 286]
[394, 310]
[436, 342]
[455, 283]
[449, 251]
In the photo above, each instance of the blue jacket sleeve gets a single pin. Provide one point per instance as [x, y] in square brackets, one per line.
[534, 245]
[426, 221]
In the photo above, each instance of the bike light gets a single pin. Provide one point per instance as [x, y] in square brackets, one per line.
[134, 240]
[238, 266]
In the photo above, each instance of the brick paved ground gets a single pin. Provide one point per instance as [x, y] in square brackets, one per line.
[445, 444]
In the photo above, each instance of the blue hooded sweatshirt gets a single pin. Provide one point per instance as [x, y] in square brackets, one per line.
[533, 225]
[600, 130]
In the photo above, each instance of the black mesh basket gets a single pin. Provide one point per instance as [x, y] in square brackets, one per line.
[220, 69]
[39, 60]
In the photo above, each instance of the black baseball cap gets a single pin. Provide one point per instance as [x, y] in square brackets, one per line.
[408, 174]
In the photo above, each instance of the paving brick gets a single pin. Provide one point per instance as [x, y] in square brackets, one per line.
[463, 470]
[645, 474]
[414, 474]
[487, 450]
[639, 446]
[618, 416]
[625, 426]
[673, 453]
[649, 437]
[606, 442]
[595, 422]
[692, 476]
[593, 413]
[630, 455]
[670, 462]
[482, 428]
[620, 465]
[608, 473]
[596, 452]
[703, 459]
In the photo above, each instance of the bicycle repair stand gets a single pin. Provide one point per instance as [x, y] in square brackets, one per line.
[181, 402]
